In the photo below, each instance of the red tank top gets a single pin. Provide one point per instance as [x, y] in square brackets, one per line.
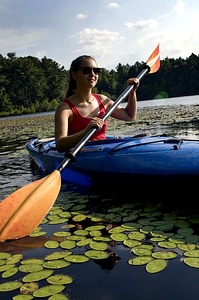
[79, 122]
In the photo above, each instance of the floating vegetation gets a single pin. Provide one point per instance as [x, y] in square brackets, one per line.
[152, 234]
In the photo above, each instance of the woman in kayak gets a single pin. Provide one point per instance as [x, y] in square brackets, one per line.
[83, 110]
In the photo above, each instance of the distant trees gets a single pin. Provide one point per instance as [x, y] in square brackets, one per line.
[29, 85]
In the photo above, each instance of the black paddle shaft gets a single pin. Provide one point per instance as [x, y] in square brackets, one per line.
[70, 156]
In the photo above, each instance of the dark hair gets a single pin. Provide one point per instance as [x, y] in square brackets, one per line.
[75, 65]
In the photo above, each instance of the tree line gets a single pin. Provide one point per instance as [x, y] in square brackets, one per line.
[30, 85]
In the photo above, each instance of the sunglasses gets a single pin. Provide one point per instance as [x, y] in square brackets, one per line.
[87, 70]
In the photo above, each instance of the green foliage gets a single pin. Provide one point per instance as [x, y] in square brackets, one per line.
[30, 85]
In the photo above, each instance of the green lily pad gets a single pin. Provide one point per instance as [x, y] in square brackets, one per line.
[59, 279]
[95, 227]
[29, 288]
[51, 244]
[141, 251]
[62, 233]
[96, 254]
[84, 242]
[32, 261]
[22, 297]
[9, 272]
[28, 268]
[76, 258]
[68, 244]
[79, 218]
[56, 264]
[37, 276]
[165, 255]
[192, 253]
[136, 235]
[14, 259]
[4, 255]
[98, 245]
[49, 290]
[58, 297]
[140, 260]
[4, 268]
[81, 232]
[186, 247]
[156, 265]
[192, 261]
[132, 217]
[117, 229]
[131, 243]
[119, 237]
[168, 245]
[57, 255]
[185, 231]
[10, 286]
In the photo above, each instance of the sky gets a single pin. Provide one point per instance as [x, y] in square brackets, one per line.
[124, 31]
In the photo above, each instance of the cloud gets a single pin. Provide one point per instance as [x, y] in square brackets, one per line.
[179, 8]
[142, 24]
[81, 16]
[113, 5]
[99, 42]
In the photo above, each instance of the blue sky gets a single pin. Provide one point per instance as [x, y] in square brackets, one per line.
[124, 31]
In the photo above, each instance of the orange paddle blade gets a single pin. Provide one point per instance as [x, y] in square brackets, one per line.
[154, 60]
[22, 211]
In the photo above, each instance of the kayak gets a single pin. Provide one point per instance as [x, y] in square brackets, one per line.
[118, 161]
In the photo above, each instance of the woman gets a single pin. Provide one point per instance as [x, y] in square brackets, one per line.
[82, 110]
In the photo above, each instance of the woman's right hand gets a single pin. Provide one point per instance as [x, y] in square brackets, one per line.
[95, 122]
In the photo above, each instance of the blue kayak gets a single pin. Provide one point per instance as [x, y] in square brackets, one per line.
[122, 160]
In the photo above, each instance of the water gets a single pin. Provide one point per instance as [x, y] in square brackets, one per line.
[94, 280]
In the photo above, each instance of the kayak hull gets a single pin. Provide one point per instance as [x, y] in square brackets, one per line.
[123, 161]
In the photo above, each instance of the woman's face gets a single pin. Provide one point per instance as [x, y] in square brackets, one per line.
[87, 74]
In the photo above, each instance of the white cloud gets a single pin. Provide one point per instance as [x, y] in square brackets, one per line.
[113, 5]
[99, 42]
[179, 8]
[81, 16]
[142, 24]
[128, 25]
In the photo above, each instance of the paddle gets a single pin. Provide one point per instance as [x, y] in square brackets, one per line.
[23, 210]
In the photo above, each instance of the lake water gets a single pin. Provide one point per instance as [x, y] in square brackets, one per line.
[114, 278]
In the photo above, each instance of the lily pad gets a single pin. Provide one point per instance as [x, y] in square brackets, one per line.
[60, 279]
[57, 255]
[37, 276]
[22, 297]
[136, 235]
[56, 264]
[79, 218]
[96, 254]
[51, 244]
[58, 297]
[192, 253]
[29, 288]
[192, 261]
[9, 272]
[76, 258]
[10, 286]
[156, 265]
[98, 245]
[119, 237]
[165, 254]
[68, 244]
[140, 260]
[28, 268]
[49, 290]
